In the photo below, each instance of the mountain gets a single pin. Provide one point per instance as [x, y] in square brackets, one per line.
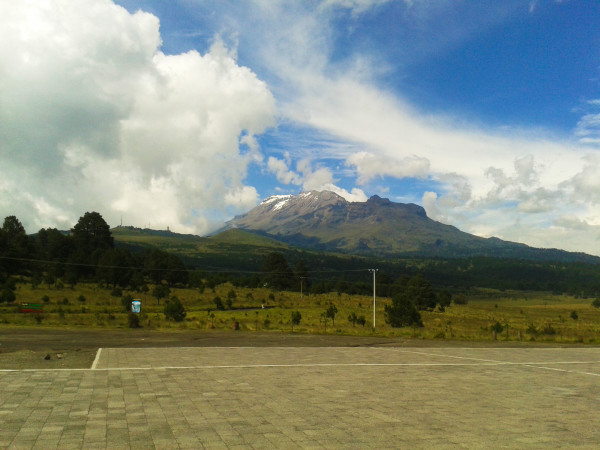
[378, 227]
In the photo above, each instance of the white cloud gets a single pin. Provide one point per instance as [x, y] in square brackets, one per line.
[95, 117]
[584, 186]
[242, 199]
[320, 179]
[588, 127]
[356, 6]
[369, 165]
[282, 172]
[316, 180]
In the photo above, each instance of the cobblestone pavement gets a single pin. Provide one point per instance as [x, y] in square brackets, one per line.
[308, 398]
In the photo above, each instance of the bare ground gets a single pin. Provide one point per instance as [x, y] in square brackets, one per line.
[54, 348]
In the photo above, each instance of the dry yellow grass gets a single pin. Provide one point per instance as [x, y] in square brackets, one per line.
[526, 316]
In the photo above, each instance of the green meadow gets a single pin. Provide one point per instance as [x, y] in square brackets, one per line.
[487, 315]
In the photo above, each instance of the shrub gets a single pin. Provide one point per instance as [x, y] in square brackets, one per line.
[574, 315]
[497, 327]
[402, 312]
[81, 298]
[361, 320]
[46, 299]
[296, 318]
[352, 318]
[7, 296]
[116, 292]
[218, 303]
[596, 303]
[174, 310]
[331, 312]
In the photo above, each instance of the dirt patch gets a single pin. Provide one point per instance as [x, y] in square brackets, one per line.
[46, 359]
[49, 348]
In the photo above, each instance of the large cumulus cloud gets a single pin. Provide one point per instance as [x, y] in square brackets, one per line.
[94, 116]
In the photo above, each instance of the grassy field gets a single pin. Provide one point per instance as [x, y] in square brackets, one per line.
[519, 316]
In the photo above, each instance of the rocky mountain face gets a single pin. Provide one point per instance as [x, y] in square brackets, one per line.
[326, 221]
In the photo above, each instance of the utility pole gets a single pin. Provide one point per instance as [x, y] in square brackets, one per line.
[374, 272]
[301, 280]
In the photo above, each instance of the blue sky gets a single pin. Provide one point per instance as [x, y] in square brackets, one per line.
[187, 112]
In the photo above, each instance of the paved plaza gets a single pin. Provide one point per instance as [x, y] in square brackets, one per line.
[346, 397]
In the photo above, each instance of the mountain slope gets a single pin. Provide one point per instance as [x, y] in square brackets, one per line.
[326, 221]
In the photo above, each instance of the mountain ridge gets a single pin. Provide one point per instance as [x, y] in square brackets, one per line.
[325, 221]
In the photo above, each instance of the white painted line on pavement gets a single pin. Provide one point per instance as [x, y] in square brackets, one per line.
[96, 359]
[536, 365]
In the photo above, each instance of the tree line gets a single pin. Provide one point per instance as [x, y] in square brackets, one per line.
[86, 253]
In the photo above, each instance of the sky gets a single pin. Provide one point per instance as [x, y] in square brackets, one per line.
[185, 113]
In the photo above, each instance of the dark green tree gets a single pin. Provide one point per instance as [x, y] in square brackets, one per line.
[15, 247]
[160, 291]
[277, 272]
[13, 228]
[353, 318]
[91, 236]
[421, 294]
[7, 295]
[54, 247]
[163, 266]
[399, 285]
[331, 312]
[402, 312]
[115, 267]
[342, 286]
[92, 233]
[444, 300]
[218, 303]
[174, 310]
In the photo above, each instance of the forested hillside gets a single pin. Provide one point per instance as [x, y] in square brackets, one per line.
[131, 258]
